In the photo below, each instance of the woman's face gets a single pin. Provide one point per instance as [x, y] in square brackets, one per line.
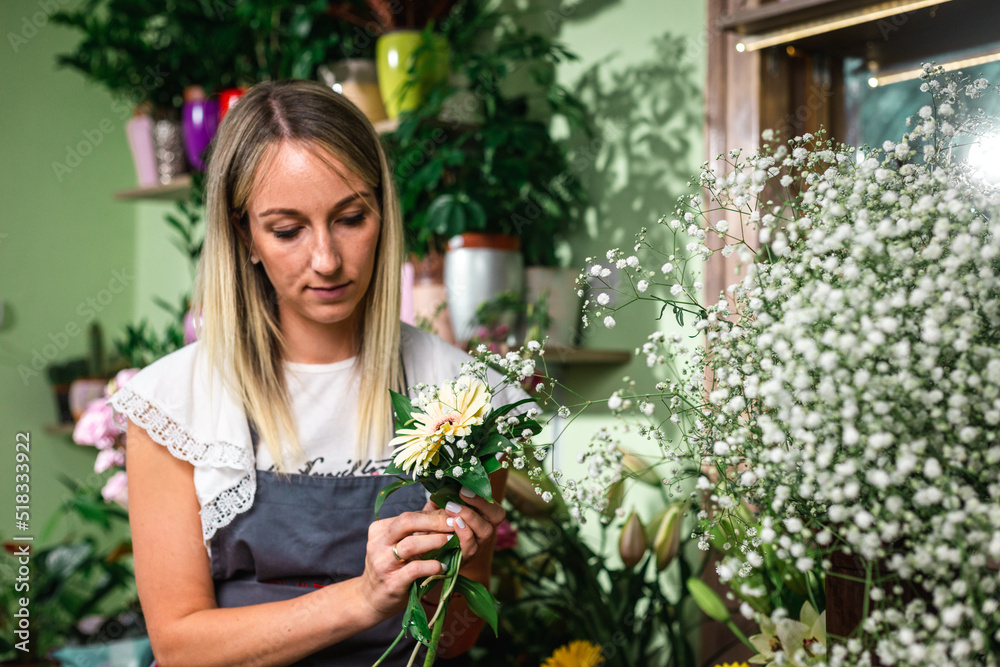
[316, 240]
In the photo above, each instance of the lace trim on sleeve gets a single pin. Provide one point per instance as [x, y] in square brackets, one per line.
[220, 510]
[167, 432]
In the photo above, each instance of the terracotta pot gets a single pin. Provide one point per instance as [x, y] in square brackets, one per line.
[429, 297]
[478, 268]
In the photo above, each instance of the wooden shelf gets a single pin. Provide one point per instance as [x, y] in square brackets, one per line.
[177, 190]
[60, 429]
[581, 356]
[780, 15]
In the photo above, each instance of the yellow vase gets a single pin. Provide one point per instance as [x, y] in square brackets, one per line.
[394, 57]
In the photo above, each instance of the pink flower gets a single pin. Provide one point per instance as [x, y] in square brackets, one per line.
[121, 380]
[116, 489]
[506, 536]
[124, 376]
[191, 326]
[108, 458]
[95, 426]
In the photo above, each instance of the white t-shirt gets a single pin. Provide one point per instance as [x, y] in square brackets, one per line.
[324, 403]
[183, 404]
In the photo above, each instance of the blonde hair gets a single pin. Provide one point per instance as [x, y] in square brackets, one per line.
[240, 330]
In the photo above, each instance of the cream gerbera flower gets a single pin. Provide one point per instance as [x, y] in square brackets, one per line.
[460, 405]
[578, 653]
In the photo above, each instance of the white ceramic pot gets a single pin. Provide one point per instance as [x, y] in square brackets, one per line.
[565, 307]
[479, 268]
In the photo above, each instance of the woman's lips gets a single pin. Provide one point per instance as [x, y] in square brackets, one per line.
[330, 292]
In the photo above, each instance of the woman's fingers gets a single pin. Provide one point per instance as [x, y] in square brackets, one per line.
[395, 529]
[493, 512]
[474, 524]
[417, 545]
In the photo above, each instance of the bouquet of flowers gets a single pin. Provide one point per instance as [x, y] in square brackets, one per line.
[845, 399]
[452, 436]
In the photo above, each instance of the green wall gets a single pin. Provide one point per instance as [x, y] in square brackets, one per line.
[650, 57]
[63, 241]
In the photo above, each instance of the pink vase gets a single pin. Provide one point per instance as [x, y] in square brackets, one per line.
[140, 139]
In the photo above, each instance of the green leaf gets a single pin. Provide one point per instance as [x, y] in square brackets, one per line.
[494, 445]
[415, 618]
[531, 425]
[491, 465]
[477, 481]
[393, 469]
[403, 407]
[500, 412]
[441, 498]
[388, 491]
[479, 600]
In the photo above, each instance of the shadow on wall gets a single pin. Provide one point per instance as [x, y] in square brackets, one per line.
[647, 116]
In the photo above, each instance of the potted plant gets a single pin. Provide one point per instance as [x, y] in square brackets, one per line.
[147, 52]
[501, 158]
[409, 55]
[82, 589]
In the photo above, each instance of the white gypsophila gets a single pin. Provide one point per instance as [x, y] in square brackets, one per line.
[603, 462]
[854, 398]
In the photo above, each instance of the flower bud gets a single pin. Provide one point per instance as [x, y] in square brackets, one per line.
[632, 541]
[521, 494]
[668, 536]
[616, 496]
[639, 468]
[708, 600]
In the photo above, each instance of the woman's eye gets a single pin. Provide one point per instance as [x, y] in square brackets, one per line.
[285, 233]
[354, 219]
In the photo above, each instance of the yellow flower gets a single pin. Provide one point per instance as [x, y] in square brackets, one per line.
[459, 406]
[733, 664]
[578, 653]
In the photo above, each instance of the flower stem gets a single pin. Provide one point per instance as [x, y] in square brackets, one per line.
[437, 620]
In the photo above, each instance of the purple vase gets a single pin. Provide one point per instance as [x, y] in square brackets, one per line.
[201, 119]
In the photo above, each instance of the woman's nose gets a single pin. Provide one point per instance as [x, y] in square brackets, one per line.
[325, 254]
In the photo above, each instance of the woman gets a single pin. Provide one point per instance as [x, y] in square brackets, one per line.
[268, 555]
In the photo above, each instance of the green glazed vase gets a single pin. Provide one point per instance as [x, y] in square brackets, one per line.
[394, 56]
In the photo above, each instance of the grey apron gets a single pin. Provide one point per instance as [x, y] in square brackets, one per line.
[304, 532]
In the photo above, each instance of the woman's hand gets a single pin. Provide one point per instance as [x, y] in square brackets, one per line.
[385, 583]
[475, 524]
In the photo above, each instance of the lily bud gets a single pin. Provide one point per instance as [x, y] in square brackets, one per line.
[632, 541]
[521, 494]
[616, 496]
[708, 600]
[668, 536]
[639, 468]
